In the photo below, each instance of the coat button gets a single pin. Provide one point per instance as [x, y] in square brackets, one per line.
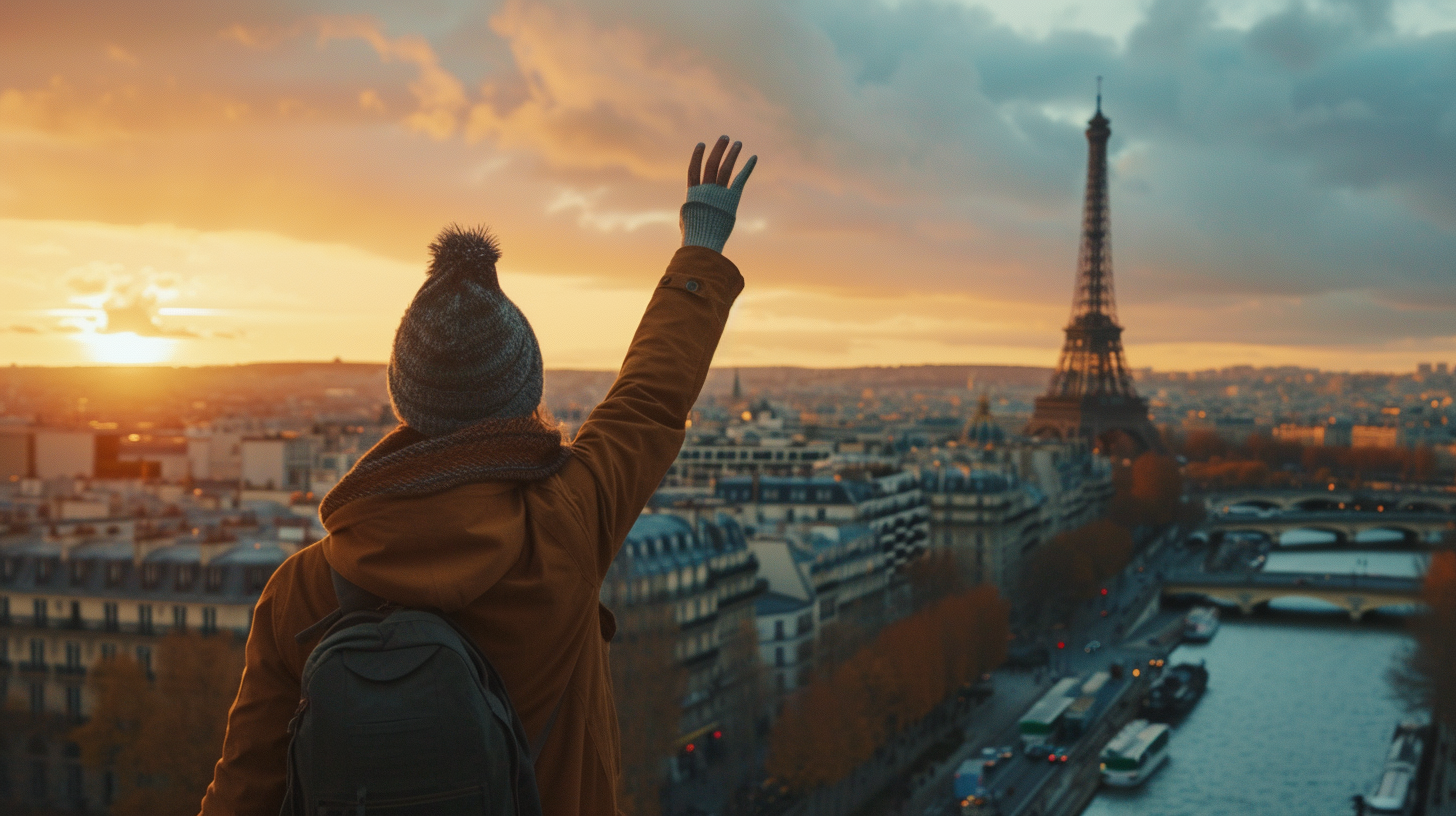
[691, 286]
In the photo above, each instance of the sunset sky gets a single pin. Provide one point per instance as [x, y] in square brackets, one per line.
[221, 182]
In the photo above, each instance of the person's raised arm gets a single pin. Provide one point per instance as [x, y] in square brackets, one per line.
[631, 438]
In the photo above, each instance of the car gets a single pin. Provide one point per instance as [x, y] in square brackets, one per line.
[1040, 749]
[1092, 646]
[1054, 754]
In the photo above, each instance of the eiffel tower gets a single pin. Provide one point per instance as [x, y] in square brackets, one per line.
[1091, 394]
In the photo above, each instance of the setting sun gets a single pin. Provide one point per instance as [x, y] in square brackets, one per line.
[126, 348]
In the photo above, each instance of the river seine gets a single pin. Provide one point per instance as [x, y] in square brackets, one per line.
[1296, 720]
[1297, 717]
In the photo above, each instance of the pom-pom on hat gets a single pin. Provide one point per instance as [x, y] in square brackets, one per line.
[463, 352]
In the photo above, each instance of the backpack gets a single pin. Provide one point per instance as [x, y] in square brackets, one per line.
[401, 715]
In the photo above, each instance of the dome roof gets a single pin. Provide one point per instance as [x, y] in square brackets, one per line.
[982, 428]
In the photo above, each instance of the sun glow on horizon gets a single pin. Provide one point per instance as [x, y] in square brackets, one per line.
[126, 348]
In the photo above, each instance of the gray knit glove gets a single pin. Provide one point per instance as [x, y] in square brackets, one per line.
[711, 209]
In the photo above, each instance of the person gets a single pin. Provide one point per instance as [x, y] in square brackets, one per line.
[476, 507]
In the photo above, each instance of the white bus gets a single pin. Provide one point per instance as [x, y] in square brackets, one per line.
[1041, 723]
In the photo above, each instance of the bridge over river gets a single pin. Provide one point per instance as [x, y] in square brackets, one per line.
[1356, 594]
[1417, 529]
[1425, 500]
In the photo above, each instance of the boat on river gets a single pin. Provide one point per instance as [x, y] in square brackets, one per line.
[1395, 795]
[1132, 756]
[1201, 624]
[1176, 692]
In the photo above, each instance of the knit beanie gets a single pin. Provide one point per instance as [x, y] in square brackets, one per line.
[463, 352]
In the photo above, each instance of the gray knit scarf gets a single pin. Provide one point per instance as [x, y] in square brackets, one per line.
[408, 463]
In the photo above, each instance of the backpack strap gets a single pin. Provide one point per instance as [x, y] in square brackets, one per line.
[540, 741]
[352, 598]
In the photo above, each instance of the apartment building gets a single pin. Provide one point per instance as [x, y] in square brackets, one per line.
[892, 506]
[705, 577]
[64, 606]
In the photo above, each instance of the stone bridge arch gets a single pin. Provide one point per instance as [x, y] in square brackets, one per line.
[1408, 535]
[1342, 535]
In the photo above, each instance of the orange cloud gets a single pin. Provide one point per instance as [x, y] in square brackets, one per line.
[440, 95]
[598, 97]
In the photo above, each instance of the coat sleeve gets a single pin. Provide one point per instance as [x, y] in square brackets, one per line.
[630, 440]
[249, 779]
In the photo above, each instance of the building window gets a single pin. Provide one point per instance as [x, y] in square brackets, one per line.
[179, 618]
[73, 656]
[209, 620]
[186, 575]
[215, 576]
[827, 608]
[37, 653]
[115, 573]
[75, 620]
[151, 575]
[37, 697]
[778, 630]
[111, 616]
[255, 578]
[108, 651]
[144, 618]
[39, 607]
[75, 790]
[144, 657]
[4, 610]
[38, 786]
[779, 656]
[73, 702]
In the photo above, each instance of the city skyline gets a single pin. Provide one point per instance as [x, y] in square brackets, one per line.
[244, 183]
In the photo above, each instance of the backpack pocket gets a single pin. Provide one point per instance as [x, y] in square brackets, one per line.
[385, 666]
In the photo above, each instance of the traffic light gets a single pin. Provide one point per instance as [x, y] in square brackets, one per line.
[1061, 644]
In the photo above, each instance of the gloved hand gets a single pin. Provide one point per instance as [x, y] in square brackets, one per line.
[712, 207]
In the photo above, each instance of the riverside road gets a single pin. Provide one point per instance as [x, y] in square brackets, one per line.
[1020, 783]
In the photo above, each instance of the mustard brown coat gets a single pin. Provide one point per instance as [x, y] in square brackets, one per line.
[518, 565]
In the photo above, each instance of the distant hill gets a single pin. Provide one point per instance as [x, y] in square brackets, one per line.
[170, 395]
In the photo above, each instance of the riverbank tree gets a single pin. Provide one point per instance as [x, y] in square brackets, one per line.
[648, 682]
[1261, 461]
[1074, 565]
[161, 735]
[913, 665]
[1424, 677]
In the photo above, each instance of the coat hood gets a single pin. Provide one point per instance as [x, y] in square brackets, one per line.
[435, 522]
